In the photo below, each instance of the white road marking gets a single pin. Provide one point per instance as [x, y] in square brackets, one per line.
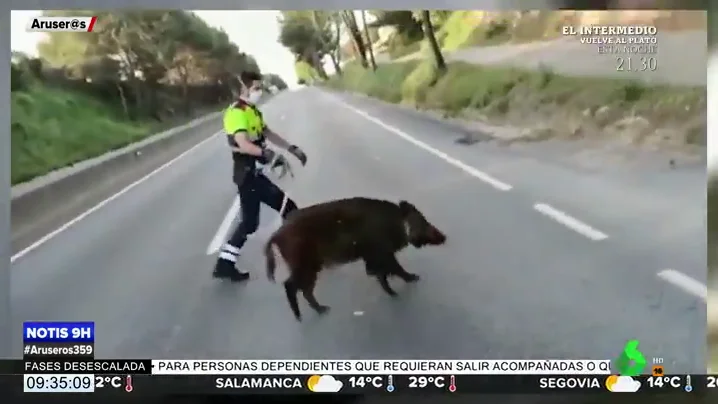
[358, 313]
[97, 207]
[221, 236]
[500, 185]
[685, 282]
[570, 222]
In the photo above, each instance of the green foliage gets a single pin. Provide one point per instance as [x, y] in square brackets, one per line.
[52, 128]
[417, 83]
[306, 72]
[137, 69]
[310, 32]
[402, 20]
[494, 91]
[164, 45]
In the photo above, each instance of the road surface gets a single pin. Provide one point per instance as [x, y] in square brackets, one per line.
[680, 58]
[544, 260]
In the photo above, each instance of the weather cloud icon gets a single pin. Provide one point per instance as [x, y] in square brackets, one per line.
[622, 384]
[324, 384]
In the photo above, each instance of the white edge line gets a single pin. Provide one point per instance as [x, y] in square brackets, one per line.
[570, 222]
[500, 185]
[685, 282]
[95, 208]
[221, 235]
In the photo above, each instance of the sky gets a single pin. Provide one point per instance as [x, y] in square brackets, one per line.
[254, 32]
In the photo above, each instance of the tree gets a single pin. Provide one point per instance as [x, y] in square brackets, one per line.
[306, 37]
[404, 21]
[368, 40]
[147, 49]
[350, 23]
[433, 44]
[335, 53]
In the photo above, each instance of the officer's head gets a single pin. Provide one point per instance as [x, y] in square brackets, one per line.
[251, 86]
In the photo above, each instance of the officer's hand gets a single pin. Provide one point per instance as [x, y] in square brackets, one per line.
[280, 161]
[298, 153]
[283, 165]
[268, 155]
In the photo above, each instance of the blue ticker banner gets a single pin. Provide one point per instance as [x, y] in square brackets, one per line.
[51, 331]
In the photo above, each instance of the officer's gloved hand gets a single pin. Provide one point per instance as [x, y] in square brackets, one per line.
[298, 153]
[280, 161]
[267, 156]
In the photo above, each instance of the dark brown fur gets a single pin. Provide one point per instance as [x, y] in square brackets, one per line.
[343, 231]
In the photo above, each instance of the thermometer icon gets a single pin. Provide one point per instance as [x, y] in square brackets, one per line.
[452, 383]
[390, 383]
[688, 388]
[128, 384]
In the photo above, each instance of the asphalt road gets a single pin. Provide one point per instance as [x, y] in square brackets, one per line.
[516, 279]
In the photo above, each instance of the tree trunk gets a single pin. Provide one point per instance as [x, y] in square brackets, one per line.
[312, 57]
[335, 62]
[431, 37]
[350, 22]
[123, 99]
[368, 40]
[336, 55]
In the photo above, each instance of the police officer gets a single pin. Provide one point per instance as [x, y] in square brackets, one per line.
[247, 134]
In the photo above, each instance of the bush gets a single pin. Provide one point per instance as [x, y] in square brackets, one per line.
[51, 129]
[527, 96]
[306, 72]
[18, 79]
[417, 82]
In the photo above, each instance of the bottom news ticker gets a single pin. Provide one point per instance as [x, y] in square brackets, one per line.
[121, 377]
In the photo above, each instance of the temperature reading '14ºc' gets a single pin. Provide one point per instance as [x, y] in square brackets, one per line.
[670, 382]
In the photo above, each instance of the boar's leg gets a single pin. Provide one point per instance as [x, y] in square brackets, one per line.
[308, 292]
[304, 282]
[290, 287]
[393, 267]
[384, 283]
[379, 263]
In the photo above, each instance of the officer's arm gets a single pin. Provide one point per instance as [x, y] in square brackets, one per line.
[245, 146]
[276, 139]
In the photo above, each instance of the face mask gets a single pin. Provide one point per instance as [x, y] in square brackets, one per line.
[254, 96]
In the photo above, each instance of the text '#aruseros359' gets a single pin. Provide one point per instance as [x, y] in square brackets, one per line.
[58, 340]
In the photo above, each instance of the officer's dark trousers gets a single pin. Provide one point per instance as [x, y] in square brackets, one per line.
[254, 190]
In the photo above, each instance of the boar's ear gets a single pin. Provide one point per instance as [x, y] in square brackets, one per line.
[406, 208]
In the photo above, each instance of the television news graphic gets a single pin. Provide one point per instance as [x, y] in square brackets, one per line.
[58, 341]
[58, 383]
[61, 24]
[59, 350]
[83, 366]
[381, 367]
[110, 385]
[50, 331]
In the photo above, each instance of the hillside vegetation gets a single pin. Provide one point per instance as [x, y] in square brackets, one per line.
[468, 28]
[547, 104]
[540, 103]
[79, 100]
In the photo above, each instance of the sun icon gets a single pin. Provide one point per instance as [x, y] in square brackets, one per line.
[610, 381]
[312, 381]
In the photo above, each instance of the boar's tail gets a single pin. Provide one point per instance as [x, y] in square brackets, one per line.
[270, 258]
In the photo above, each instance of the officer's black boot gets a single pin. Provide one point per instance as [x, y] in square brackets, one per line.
[225, 269]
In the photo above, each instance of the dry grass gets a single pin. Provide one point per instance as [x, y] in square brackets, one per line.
[547, 105]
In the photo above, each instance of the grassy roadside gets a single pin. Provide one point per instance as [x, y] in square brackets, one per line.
[545, 104]
[53, 128]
